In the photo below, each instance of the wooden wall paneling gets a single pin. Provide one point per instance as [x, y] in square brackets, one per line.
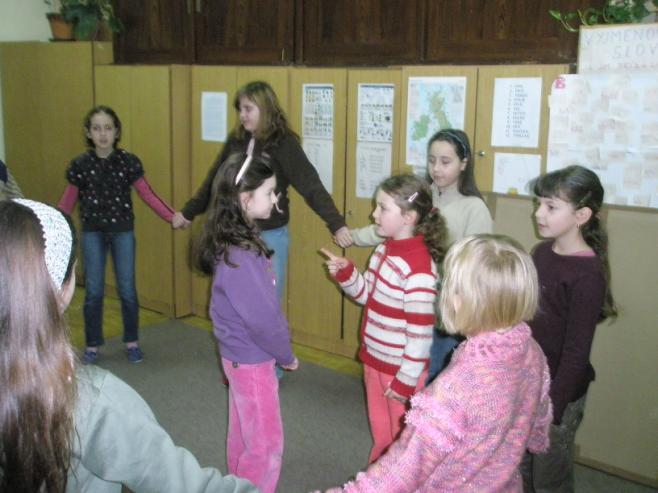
[204, 153]
[181, 137]
[504, 31]
[367, 32]
[359, 210]
[483, 151]
[239, 32]
[314, 300]
[436, 71]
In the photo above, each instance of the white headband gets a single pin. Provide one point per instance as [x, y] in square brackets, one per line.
[247, 161]
[57, 237]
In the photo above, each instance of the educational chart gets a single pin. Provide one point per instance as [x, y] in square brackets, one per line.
[608, 123]
[318, 111]
[318, 129]
[516, 112]
[433, 103]
[374, 146]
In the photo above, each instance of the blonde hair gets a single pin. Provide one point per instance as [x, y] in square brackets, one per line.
[490, 283]
[273, 124]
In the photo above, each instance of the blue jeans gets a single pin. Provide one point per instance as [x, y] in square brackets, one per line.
[94, 252]
[442, 347]
[278, 240]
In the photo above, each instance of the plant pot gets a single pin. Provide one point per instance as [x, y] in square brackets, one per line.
[61, 30]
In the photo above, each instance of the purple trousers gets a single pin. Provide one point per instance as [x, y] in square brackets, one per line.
[254, 442]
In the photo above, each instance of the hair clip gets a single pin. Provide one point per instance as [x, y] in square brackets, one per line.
[247, 161]
[412, 197]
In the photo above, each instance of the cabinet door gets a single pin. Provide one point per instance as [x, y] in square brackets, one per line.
[358, 209]
[244, 32]
[366, 32]
[157, 31]
[500, 31]
[484, 152]
[314, 300]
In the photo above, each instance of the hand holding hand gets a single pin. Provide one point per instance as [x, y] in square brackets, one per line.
[343, 238]
[292, 366]
[178, 221]
[392, 394]
[335, 263]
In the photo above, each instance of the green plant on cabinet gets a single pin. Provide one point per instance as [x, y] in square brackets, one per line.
[613, 12]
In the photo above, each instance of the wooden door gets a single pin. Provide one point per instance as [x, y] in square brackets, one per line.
[364, 32]
[157, 31]
[359, 210]
[501, 31]
[484, 152]
[244, 32]
[314, 301]
[141, 98]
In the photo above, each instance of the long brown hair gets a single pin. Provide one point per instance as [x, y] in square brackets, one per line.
[226, 224]
[37, 381]
[412, 193]
[273, 124]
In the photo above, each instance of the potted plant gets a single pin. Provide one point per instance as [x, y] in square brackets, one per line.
[61, 29]
[613, 12]
[87, 16]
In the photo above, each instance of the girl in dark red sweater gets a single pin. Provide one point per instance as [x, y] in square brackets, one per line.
[574, 279]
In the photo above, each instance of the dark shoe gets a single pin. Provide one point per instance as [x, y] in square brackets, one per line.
[89, 357]
[135, 354]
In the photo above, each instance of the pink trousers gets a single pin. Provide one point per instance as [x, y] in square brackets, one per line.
[254, 442]
[385, 415]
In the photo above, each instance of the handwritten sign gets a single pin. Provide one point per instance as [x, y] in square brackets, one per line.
[618, 49]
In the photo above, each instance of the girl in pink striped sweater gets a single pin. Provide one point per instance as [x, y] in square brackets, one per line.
[468, 430]
[398, 291]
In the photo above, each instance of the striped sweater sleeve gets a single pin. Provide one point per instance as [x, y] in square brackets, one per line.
[419, 300]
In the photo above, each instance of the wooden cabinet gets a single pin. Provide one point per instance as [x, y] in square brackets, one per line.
[157, 31]
[501, 31]
[206, 32]
[364, 32]
[345, 32]
[244, 32]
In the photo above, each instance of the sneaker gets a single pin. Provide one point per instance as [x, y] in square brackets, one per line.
[89, 357]
[135, 354]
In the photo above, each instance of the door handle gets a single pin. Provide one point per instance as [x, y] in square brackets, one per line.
[482, 153]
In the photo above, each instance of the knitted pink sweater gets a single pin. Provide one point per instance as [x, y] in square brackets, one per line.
[469, 429]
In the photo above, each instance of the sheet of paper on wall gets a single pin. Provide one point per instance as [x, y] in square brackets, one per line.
[375, 112]
[321, 154]
[618, 49]
[516, 112]
[513, 172]
[213, 116]
[608, 123]
[373, 164]
[318, 111]
[433, 104]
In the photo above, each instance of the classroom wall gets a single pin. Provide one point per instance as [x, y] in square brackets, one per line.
[21, 20]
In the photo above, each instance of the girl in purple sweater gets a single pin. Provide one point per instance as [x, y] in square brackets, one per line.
[574, 276]
[468, 430]
[251, 329]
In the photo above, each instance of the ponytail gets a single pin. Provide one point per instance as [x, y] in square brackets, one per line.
[434, 230]
[596, 237]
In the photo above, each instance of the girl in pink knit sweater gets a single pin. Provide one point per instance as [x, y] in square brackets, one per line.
[469, 429]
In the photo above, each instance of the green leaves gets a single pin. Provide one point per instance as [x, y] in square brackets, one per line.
[86, 15]
[614, 12]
